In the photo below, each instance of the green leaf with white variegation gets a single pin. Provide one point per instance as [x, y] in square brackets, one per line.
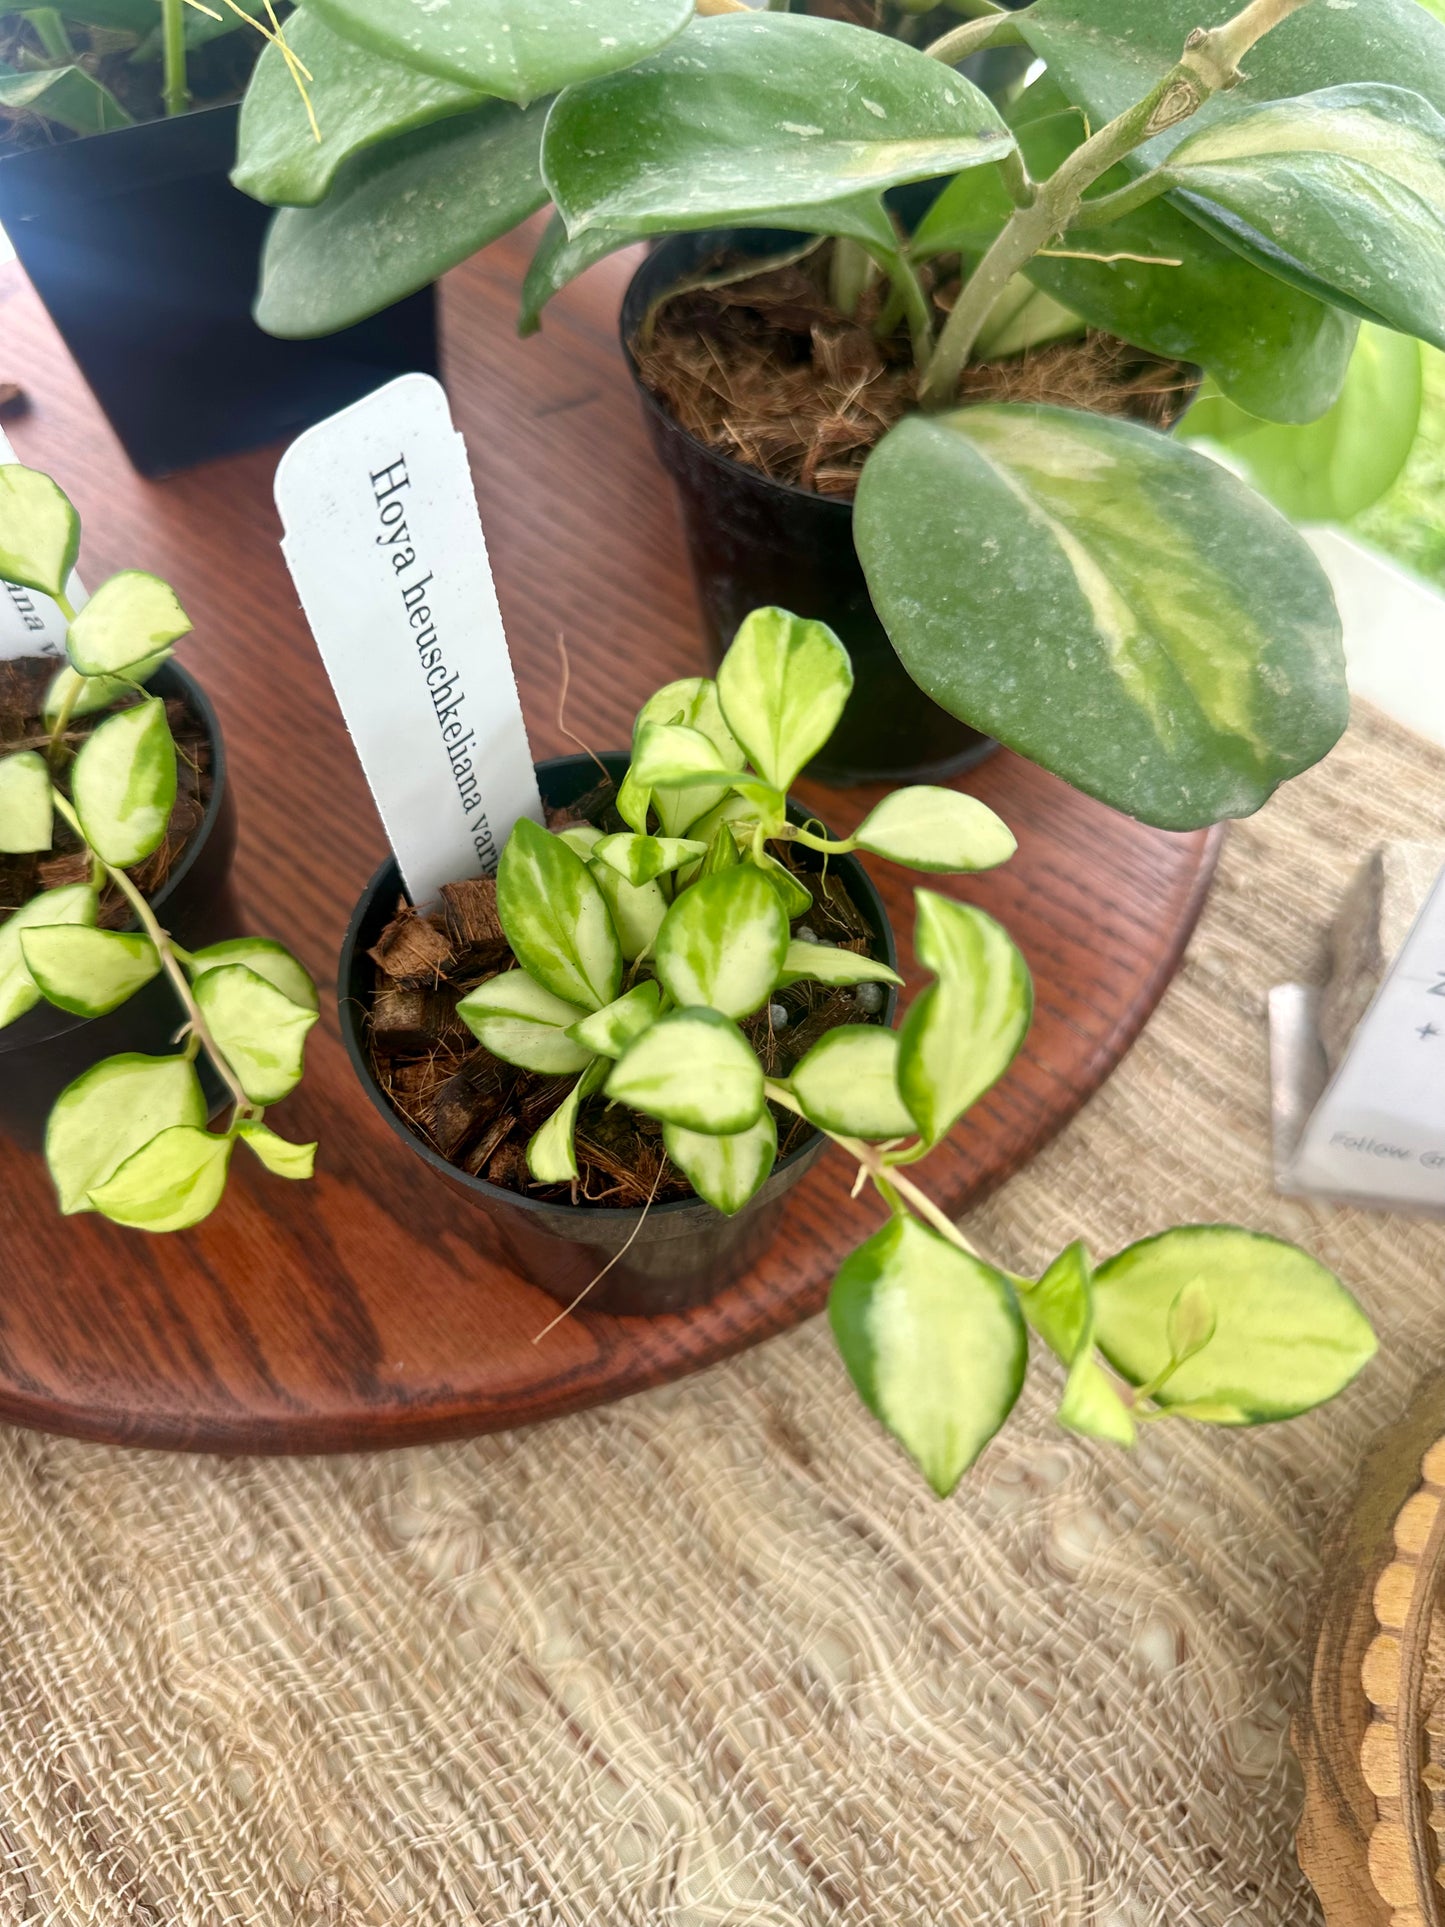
[848, 1084]
[936, 829]
[109, 1112]
[85, 971]
[91, 693]
[934, 1342]
[552, 1150]
[727, 1171]
[783, 685]
[637, 911]
[169, 1184]
[39, 531]
[964, 1030]
[608, 1032]
[260, 1031]
[556, 918]
[1013, 549]
[641, 858]
[1060, 1308]
[131, 619]
[123, 783]
[1287, 1335]
[73, 903]
[693, 703]
[398, 216]
[750, 113]
[523, 1023]
[268, 959]
[281, 1157]
[512, 48]
[667, 753]
[358, 97]
[27, 813]
[793, 893]
[694, 1068]
[581, 837]
[67, 96]
[723, 942]
[825, 963]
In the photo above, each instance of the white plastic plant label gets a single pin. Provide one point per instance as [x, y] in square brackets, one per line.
[30, 623]
[385, 546]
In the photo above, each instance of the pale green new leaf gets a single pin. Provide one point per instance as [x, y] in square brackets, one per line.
[581, 837]
[72, 903]
[259, 1030]
[39, 531]
[85, 971]
[848, 1084]
[694, 1068]
[668, 753]
[556, 919]
[123, 783]
[962, 1032]
[552, 1150]
[641, 858]
[523, 1023]
[637, 910]
[109, 1112]
[934, 1342]
[727, 1171]
[793, 893]
[936, 829]
[1287, 1335]
[268, 959]
[129, 621]
[783, 685]
[723, 942]
[91, 693]
[27, 814]
[608, 1032]
[1060, 1308]
[825, 963]
[693, 703]
[281, 1158]
[68, 96]
[169, 1184]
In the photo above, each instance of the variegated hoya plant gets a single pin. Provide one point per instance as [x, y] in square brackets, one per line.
[637, 954]
[1236, 188]
[129, 1137]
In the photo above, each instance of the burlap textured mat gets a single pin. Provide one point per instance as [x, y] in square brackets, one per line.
[712, 1658]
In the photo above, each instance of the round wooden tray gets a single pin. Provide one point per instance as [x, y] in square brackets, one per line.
[369, 1309]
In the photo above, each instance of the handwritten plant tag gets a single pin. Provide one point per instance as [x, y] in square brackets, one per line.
[30, 623]
[385, 545]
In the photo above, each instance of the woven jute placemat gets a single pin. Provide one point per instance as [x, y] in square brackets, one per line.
[712, 1657]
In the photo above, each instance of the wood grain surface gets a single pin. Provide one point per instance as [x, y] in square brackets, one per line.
[367, 1310]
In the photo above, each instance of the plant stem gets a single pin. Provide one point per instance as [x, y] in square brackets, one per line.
[904, 283]
[173, 43]
[51, 30]
[1214, 54]
[850, 270]
[994, 30]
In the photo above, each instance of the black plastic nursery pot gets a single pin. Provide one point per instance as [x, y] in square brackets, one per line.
[755, 542]
[43, 1051]
[668, 1258]
[147, 260]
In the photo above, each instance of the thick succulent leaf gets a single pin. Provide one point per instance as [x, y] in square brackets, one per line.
[1287, 1335]
[522, 1022]
[962, 1032]
[359, 99]
[91, 693]
[669, 753]
[783, 685]
[552, 1150]
[641, 858]
[692, 702]
[123, 783]
[728, 1171]
[1113, 605]
[169, 1184]
[694, 1068]
[1060, 1308]
[399, 215]
[128, 621]
[281, 1157]
[69, 96]
[637, 910]
[268, 959]
[825, 963]
[39, 531]
[85, 971]
[556, 918]
[608, 1032]
[109, 1112]
[73, 903]
[259, 1030]
[581, 837]
[512, 48]
[934, 1342]
[749, 113]
[936, 829]
[848, 1084]
[723, 942]
[27, 814]
[796, 897]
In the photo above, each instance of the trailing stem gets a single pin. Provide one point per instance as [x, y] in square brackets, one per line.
[173, 52]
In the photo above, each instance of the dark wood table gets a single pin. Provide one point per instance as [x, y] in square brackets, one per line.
[370, 1309]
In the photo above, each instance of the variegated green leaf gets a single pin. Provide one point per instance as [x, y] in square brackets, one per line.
[280, 1157]
[1016, 553]
[556, 918]
[727, 1171]
[637, 910]
[793, 893]
[129, 621]
[268, 959]
[936, 829]
[523, 1023]
[169, 1184]
[85, 971]
[848, 1084]
[825, 963]
[83, 695]
[552, 1150]
[39, 531]
[260, 1031]
[934, 1342]
[581, 837]
[694, 1068]
[123, 783]
[641, 858]
[72, 903]
[692, 703]
[608, 1032]
[723, 942]
[1060, 1308]
[109, 1113]
[27, 814]
[668, 753]
[783, 685]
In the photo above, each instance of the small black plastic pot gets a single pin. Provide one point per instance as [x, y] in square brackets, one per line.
[755, 543]
[43, 1051]
[668, 1258]
[147, 259]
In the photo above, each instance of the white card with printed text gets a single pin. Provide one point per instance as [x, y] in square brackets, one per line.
[30, 623]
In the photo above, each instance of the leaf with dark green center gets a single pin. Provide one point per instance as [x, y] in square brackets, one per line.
[281, 1158]
[129, 620]
[608, 1032]
[1060, 1308]
[825, 963]
[848, 1084]
[259, 1030]
[727, 1171]
[109, 1113]
[359, 99]
[69, 96]
[723, 942]
[268, 959]
[123, 783]
[523, 1023]
[783, 685]
[936, 829]
[73, 903]
[694, 1068]
[556, 918]
[934, 1342]
[84, 695]
[691, 703]
[552, 1150]
[85, 971]
[513, 48]
[1287, 1336]
[398, 216]
[169, 1184]
[1017, 552]
[27, 814]
[962, 1032]
[39, 531]
[641, 858]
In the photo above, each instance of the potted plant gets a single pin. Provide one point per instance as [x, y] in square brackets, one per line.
[1235, 196]
[117, 134]
[120, 1033]
[628, 965]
